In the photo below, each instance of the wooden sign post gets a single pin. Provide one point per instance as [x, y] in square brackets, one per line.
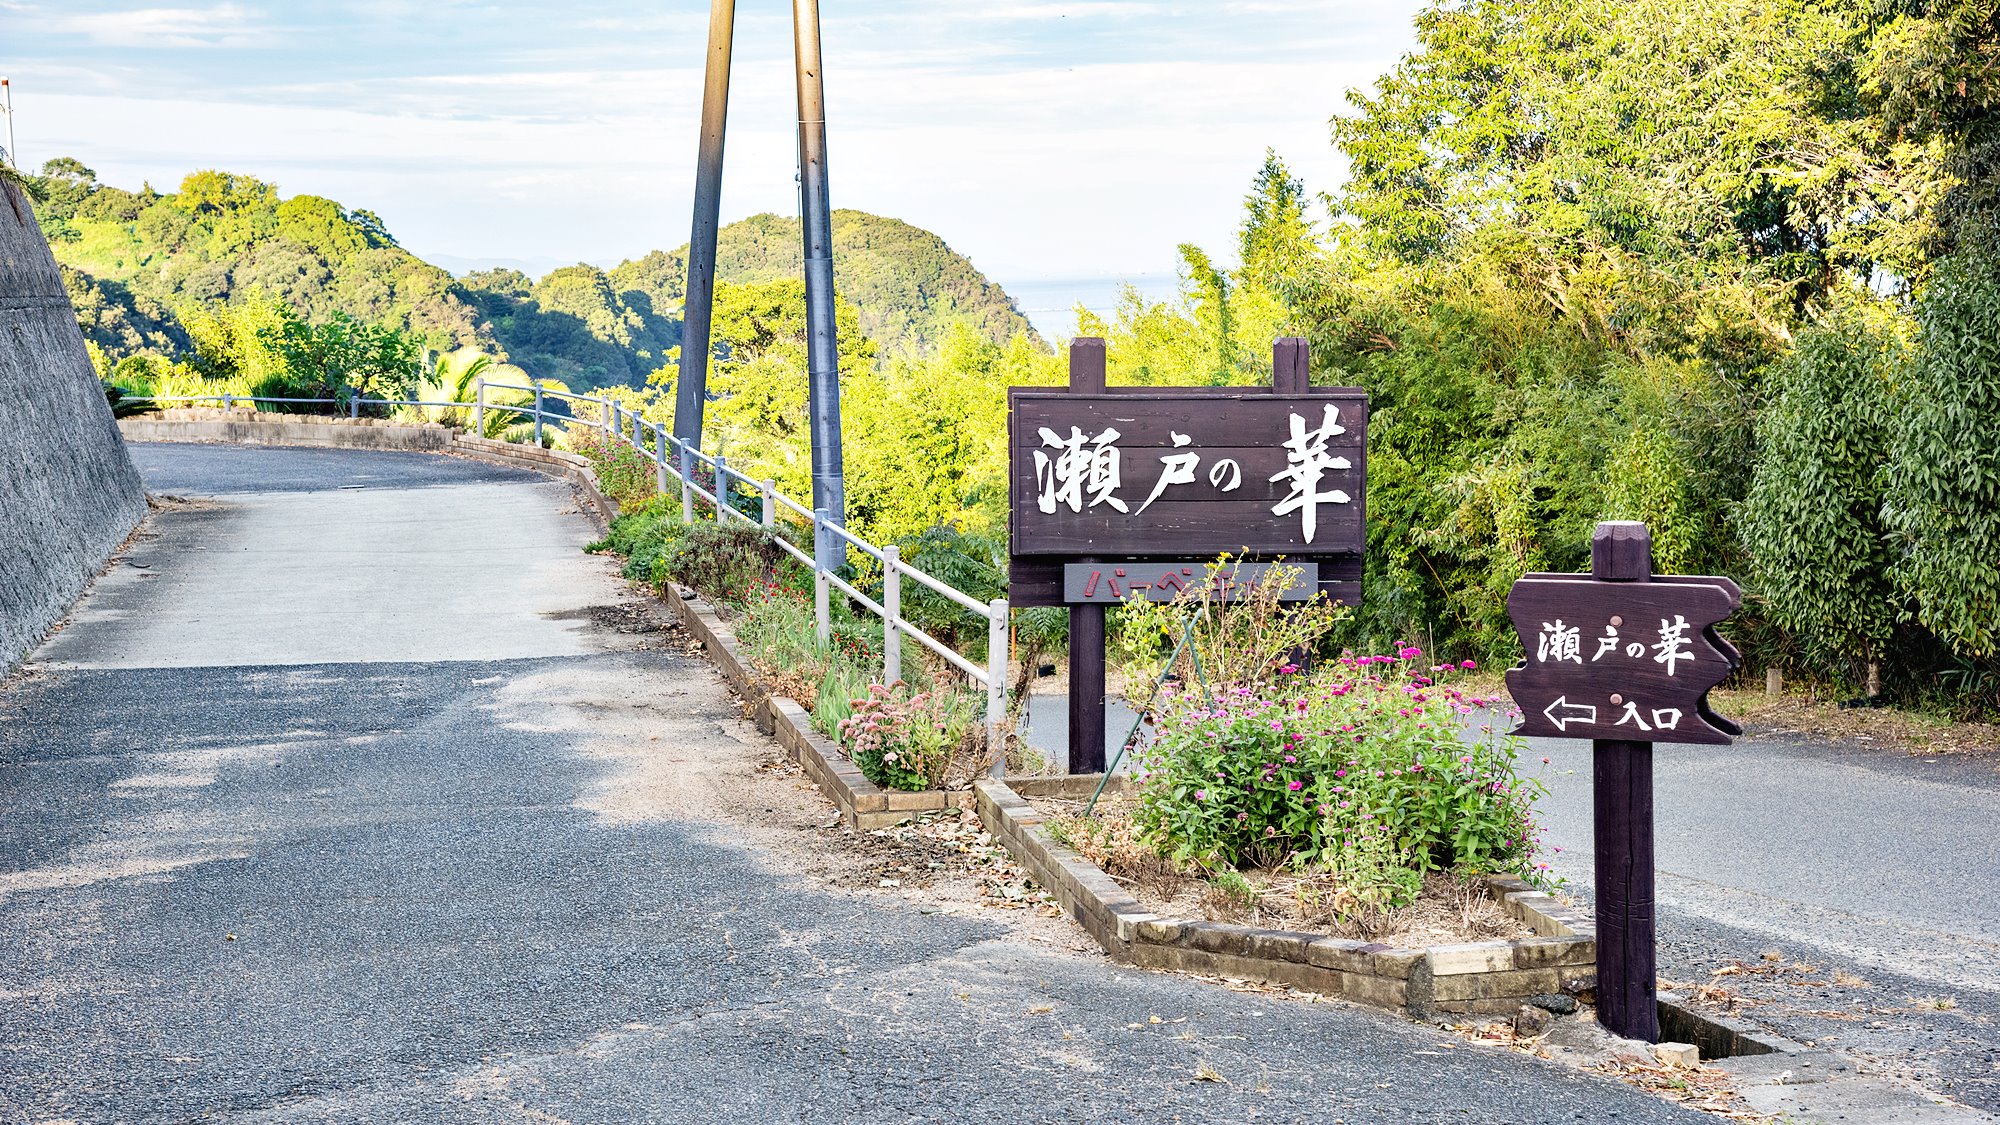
[1123, 491]
[1625, 659]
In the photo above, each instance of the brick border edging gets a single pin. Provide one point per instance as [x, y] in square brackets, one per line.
[1476, 978]
[862, 803]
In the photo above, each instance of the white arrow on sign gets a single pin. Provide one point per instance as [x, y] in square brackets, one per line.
[1571, 713]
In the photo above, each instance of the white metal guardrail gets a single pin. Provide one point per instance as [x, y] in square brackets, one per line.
[676, 465]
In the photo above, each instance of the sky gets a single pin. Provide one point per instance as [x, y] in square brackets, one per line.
[1051, 141]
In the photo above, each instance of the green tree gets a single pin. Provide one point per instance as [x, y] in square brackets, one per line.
[1279, 244]
[1812, 521]
[757, 377]
[1944, 488]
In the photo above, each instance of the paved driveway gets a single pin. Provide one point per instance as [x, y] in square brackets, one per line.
[388, 804]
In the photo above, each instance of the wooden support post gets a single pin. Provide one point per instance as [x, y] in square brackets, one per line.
[1622, 805]
[1291, 374]
[1086, 622]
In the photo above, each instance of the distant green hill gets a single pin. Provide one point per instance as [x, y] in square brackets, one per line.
[134, 261]
[909, 285]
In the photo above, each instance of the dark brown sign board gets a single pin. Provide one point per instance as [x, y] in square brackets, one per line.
[1131, 474]
[1625, 659]
[1163, 582]
[1150, 479]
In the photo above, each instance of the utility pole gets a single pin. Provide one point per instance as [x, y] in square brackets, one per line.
[7, 110]
[697, 310]
[822, 345]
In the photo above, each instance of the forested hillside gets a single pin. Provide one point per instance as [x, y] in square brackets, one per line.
[1729, 268]
[140, 264]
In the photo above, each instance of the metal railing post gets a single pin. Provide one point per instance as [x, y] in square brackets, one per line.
[892, 614]
[538, 417]
[660, 459]
[479, 406]
[822, 603]
[354, 404]
[687, 486]
[768, 518]
[996, 685]
[721, 485]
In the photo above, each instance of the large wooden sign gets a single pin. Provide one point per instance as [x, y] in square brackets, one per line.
[1143, 475]
[1131, 491]
[1626, 660]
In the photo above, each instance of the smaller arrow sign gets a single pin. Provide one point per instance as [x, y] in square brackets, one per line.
[1644, 654]
[1562, 713]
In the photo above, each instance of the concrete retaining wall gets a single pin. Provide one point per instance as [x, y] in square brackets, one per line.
[253, 427]
[68, 492]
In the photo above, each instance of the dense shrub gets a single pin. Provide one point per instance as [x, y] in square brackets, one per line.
[1366, 769]
[623, 473]
[904, 739]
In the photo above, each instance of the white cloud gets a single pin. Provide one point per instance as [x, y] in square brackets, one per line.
[1033, 155]
[222, 26]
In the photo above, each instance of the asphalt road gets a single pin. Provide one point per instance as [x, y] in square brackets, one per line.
[1873, 866]
[341, 879]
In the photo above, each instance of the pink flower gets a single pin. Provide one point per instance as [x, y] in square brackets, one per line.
[1296, 786]
[1410, 652]
[1201, 794]
[1467, 665]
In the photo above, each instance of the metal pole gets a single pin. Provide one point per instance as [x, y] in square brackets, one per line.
[769, 517]
[822, 346]
[691, 396]
[1628, 1002]
[721, 485]
[822, 602]
[7, 108]
[538, 417]
[479, 406]
[892, 612]
[996, 685]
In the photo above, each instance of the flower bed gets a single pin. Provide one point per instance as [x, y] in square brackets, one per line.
[1426, 982]
[1321, 807]
[881, 751]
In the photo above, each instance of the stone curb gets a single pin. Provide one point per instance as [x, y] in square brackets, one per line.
[1479, 978]
[862, 803]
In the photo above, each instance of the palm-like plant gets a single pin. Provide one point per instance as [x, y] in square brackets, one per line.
[448, 377]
